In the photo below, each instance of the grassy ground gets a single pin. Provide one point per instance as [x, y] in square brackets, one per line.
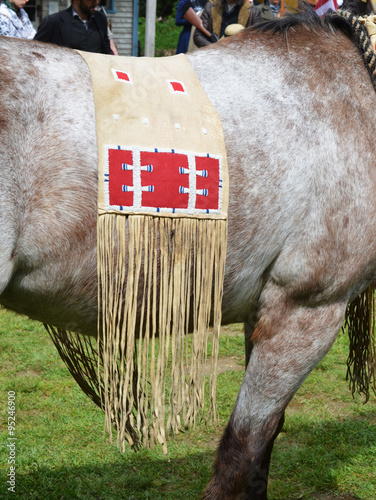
[327, 449]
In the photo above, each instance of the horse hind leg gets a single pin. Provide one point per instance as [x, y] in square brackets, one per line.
[258, 488]
[288, 343]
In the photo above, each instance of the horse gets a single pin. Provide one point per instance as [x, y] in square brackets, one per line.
[297, 107]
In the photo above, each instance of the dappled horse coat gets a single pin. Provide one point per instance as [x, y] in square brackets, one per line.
[297, 109]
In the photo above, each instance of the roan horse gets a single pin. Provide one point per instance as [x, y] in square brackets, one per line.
[297, 106]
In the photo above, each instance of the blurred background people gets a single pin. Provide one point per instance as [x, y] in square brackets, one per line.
[14, 20]
[182, 7]
[275, 7]
[218, 14]
[82, 26]
[265, 8]
[114, 49]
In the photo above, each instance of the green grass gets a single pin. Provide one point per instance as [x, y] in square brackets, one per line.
[327, 448]
[166, 36]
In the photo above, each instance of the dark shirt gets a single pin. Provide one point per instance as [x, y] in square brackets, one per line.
[67, 30]
[85, 38]
[229, 18]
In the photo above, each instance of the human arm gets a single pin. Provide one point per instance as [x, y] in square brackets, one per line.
[113, 47]
[199, 38]
[181, 9]
[110, 35]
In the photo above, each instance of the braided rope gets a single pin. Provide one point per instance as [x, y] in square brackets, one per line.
[360, 38]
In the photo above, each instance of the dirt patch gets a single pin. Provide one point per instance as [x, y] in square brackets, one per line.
[29, 373]
[226, 364]
[332, 496]
[232, 330]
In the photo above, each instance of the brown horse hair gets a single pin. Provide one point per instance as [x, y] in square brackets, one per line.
[341, 20]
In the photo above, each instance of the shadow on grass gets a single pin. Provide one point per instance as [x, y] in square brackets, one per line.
[325, 457]
[307, 463]
[138, 477]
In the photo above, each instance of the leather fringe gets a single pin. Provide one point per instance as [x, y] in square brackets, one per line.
[153, 371]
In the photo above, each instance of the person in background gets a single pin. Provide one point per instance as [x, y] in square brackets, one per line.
[269, 9]
[183, 6]
[218, 14]
[14, 20]
[109, 33]
[358, 7]
[114, 49]
[81, 27]
[275, 7]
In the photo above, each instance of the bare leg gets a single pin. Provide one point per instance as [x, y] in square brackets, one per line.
[288, 343]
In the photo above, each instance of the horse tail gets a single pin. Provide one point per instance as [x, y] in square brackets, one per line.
[360, 324]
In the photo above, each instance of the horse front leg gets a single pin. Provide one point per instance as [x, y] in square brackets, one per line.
[288, 343]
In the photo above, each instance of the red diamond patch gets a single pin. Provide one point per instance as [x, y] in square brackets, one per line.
[121, 76]
[177, 87]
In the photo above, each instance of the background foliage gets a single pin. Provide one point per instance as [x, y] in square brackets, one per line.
[166, 32]
[166, 36]
[164, 8]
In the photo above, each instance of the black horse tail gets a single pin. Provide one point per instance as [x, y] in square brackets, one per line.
[360, 325]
